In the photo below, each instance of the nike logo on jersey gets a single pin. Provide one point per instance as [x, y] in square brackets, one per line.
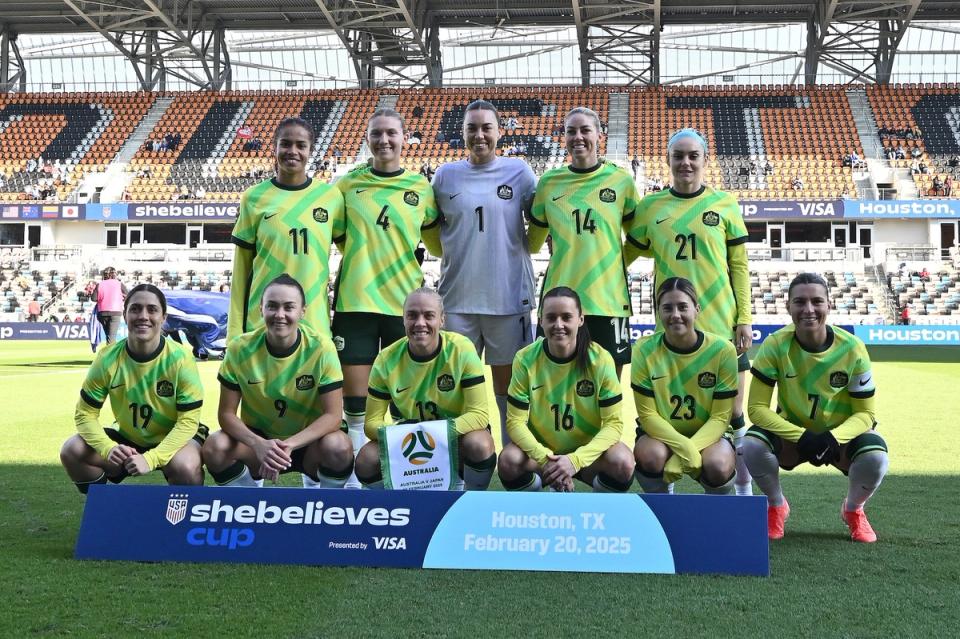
[359, 191]
[400, 390]
[663, 220]
[269, 215]
[250, 381]
[791, 375]
[535, 388]
[454, 195]
[118, 385]
[863, 382]
[558, 197]
[656, 377]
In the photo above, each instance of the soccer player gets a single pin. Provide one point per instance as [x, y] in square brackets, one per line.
[285, 379]
[825, 409]
[585, 207]
[564, 414]
[684, 382]
[430, 374]
[155, 394]
[486, 277]
[696, 232]
[387, 207]
[286, 225]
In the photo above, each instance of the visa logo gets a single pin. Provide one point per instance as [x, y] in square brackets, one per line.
[390, 543]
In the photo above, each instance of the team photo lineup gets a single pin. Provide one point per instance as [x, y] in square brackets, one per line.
[301, 392]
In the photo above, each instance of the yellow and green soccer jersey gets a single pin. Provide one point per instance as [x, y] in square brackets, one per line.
[690, 237]
[684, 385]
[281, 393]
[586, 213]
[385, 214]
[563, 404]
[815, 390]
[435, 387]
[287, 230]
[147, 396]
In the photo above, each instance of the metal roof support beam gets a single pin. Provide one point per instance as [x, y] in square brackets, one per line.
[618, 42]
[13, 73]
[583, 44]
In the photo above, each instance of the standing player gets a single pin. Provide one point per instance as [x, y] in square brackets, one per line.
[684, 382]
[585, 207]
[387, 207]
[430, 374]
[486, 277]
[696, 232]
[564, 415]
[155, 394]
[825, 409]
[286, 225]
[285, 380]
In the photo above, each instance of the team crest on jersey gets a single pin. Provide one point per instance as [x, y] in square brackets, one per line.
[706, 380]
[411, 198]
[608, 195]
[585, 388]
[306, 382]
[339, 342]
[164, 388]
[711, 218]
[505, 192]
[320, 214]
[839, 379]
[445, 382]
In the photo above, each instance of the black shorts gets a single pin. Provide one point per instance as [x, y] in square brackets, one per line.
[296, 457]
[117, 436]
[862, 443]
[743, 363]
[359, 337]
[611, 333]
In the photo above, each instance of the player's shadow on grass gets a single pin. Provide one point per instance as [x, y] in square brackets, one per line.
[78, 363]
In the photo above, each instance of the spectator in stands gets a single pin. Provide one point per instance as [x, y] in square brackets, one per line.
[33, 310]
[901, 155]
[948, 185]
[415, 138]
[109, 294]
[79, 319]
[635, 166]
[754, 167]
[905, 314]
[924, 169]
[418, 111]
[915, 152]
[768, 168]
[511, 126]
[924, 275]
[954, 161]
[890, 153]
[937, 185]
[441, 137]
[917, 133]
[797, 183]
[915, 167]
[337, 153]
[31, 165]
[53, 320]
[23, 282]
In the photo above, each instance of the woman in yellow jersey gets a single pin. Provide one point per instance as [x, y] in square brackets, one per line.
[695, 231]
[430, 374]
[387, 207]
[825, 409]
[564, 408]
[286, 225]
[155, 393]
[280, 401]
[684, 382]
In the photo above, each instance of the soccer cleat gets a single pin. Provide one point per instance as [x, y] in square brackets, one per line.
[776, 516]
[856, 521]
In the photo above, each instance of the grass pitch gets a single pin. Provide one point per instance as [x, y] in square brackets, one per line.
[907, 585]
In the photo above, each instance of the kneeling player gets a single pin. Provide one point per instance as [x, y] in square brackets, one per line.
[285, 379]
[684, 382]
[825, 411]
[430, 374]
[155, 394]
[564, 414]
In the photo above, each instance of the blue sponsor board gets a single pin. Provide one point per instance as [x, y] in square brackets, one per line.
[44, 330]
[410, 529]
[791, 209]
[893, 335]
[880, 209]
[760, 331]
[173, 210]
[113, 211]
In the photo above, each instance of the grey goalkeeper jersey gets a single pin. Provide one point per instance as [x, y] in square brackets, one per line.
[486, 268]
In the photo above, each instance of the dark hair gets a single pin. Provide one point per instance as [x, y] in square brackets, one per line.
[681, 284]
[294, 121]
[284, 279]
[145, 288]
[807, 278]
[483, 105]
[387, 112]
[582, 353]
